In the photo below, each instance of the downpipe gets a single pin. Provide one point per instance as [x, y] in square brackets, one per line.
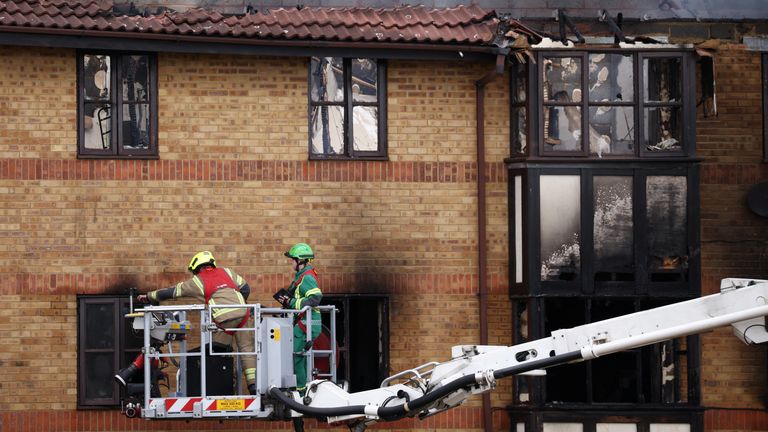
[482, 259]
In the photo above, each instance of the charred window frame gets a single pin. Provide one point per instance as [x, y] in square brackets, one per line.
[519, 108]
[117, 105]
[106, 343]
[625, 211]
[765, 105]
[626, 230]
[362, 333]
[633, 105]
[341, 89]
[649, 375]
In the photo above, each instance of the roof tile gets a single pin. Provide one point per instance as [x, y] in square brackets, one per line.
[411, 24]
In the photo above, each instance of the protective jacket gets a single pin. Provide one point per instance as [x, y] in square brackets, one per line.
[212, 285]
[305, 291]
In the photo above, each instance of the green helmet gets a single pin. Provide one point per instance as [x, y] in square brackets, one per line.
[300, 251]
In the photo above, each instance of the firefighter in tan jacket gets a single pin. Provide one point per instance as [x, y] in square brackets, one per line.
[217, 285]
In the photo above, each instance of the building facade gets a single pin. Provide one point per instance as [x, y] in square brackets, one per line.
[424, 169]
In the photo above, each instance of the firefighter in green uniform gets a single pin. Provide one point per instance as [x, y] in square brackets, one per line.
[303, 291]
[217, 285]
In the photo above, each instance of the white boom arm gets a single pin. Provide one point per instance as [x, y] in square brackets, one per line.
[435, 387]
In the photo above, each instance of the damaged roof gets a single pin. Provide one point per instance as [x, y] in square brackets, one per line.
[463, 25]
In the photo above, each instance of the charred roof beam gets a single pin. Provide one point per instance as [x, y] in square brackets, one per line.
[618, 34]
[564, 20]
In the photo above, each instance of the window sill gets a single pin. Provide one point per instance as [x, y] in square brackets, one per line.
[112, 157]
[348, 159]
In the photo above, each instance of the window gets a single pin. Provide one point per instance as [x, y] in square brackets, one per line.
[347, 108]
[613, 104]
[612, 231]
[604, 221]
[765, 106]
[362, 335]
[519, 111]
[590, 243]
[117, 104]
[106, 344]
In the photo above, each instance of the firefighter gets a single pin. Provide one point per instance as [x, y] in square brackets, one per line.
[217, 285]
[303, 291]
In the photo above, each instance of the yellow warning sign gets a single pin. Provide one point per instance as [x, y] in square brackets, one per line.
[230, 404]
[277, 335]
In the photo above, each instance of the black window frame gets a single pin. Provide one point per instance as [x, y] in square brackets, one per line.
[347, 350]
[117, 149]
[348, 105]
[120, 350]
[584, 284]
[536, 106]
[764, 80]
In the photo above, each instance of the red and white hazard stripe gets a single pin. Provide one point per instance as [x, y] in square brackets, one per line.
[185, 406]
[180, 405]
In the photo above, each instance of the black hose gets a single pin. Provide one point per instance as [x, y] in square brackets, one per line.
[316, 412]
[395, 412]
[538, 364]
[400, 411]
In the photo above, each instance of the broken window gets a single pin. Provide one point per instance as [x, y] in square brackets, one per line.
[651, 374]
[560, 207]
[662, 104]
[667, 222]
[611, 104]
[562, 92]
[106, 344]
[589, 105]
[117, 104]
[613, 228]
[362, 333]
[519, 136]
[765, 106]
[347, 114]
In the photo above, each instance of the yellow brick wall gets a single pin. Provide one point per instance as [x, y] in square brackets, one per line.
[733, 238]
[73, 226]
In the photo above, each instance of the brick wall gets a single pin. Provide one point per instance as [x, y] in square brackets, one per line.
[233, 177]
[733, 238]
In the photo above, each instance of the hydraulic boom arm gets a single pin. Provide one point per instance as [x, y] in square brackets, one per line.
[435, 387]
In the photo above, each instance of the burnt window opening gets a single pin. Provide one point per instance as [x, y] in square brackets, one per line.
[117, 105]
[765, 106]
[106, 344]
[620, 230]
[362, 333]
[654, 374]
[602, 104]
[347, 108]
[604, 221]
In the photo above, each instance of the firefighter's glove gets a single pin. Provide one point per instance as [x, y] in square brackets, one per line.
[143, 298]
[285, 301]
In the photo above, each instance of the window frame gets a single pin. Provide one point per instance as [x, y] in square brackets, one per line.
[764, 80]
[117, 150]
[530, 322]
[584, 284]
[536, 106]
[346, 351]
[348, 105]
[119, 350]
